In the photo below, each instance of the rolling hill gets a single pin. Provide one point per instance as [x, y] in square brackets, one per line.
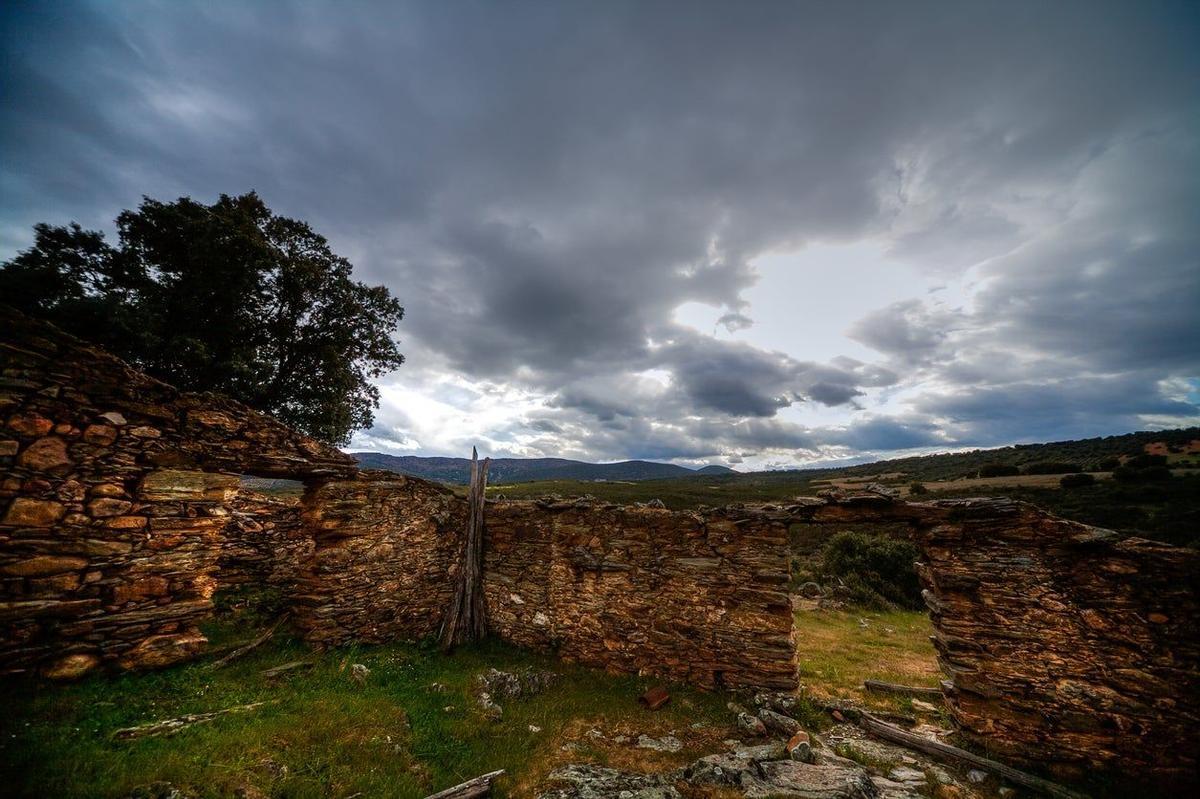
[528, 470]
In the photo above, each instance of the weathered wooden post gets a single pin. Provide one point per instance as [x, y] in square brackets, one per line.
[464, 620]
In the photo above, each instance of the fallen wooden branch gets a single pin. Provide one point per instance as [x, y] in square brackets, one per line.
[480, 786]
[881, 687]
[255, 644]
[953, 754]
[852, 713]
[295, 665]
[172, 726]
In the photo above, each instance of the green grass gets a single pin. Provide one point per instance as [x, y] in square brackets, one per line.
[837, 653]
[677, 493]
[322, 736]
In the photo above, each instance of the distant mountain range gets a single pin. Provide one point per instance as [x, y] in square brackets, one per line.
[527, 470]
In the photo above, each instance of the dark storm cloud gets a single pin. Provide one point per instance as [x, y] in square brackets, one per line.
[542, 184]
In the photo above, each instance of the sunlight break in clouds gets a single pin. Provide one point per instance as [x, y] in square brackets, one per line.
[762, 234]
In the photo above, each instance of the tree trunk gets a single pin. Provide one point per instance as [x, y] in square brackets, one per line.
[464, 620]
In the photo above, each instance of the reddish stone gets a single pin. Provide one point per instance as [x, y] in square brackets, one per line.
[106, 506]
[24, 512]
[164, 650]
[8, 447]
[30, 425]
[43, 565]
[71, 667]
[100, 434]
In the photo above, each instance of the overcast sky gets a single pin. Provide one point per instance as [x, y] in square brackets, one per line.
[760, 234]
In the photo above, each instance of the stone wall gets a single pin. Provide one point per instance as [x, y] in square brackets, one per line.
[689, 596]
[385, 546]
[110, 524]
[263, 543]
[1066, 646]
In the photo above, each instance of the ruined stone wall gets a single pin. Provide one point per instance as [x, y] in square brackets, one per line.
[110, 527]
[263, 543]
[1065, 645]
[694, 597]
[385, 547]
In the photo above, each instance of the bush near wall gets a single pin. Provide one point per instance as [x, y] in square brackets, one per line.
[877, 570]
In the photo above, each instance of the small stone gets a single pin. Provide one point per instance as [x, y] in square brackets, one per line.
[359, 674]
[751, 725]
[668, 743]
[100, 434]
[112, 417]
[810, 590]
[975, 776]
[145, 432]
[907, 775]
[924, 707]
[1158, 618]
[8, 447]
[1004, 792]
[108, 506]
[799, 748]
[71, 667]
[31, 425]
[777, 722]
[25, 512]
[534, 728]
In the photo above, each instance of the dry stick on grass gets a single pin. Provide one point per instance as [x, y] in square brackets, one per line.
[953, 754]
[881, 687]
[255, 644]
[480, 786]
[172, 726]
[464, 620]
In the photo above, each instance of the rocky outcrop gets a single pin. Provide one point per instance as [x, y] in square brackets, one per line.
[110, 520]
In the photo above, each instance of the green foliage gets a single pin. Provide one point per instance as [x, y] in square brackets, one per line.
[1145, 461]
[917, 489]
[998, 470]
[227, 297]
[1076, 480]
[877, 570]
[1168, 511]
[1051, 467]
[1145, 474]
[952, 465]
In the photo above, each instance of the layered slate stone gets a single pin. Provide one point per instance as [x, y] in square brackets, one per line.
[111, 518]
[689, 596]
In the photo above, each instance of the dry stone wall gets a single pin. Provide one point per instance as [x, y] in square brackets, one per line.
[263, 543]
[111, 510]
[1066, 645]
[385, 546]
[689, 596]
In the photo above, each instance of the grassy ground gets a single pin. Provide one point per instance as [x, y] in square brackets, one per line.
[325, 737]
[676, 493]
[399, 735]
[838, 650]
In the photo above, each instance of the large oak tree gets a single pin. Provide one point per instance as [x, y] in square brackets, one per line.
[226, 297]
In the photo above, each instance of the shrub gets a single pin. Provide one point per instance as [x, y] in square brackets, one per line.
[918, 488]
[1144, 461]
[1146, 474]
[1077, 480]
[1108, 464]
[878, 570]
[1052, 467]
[998, 470]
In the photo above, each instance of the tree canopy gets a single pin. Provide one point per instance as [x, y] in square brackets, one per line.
[226, 297]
